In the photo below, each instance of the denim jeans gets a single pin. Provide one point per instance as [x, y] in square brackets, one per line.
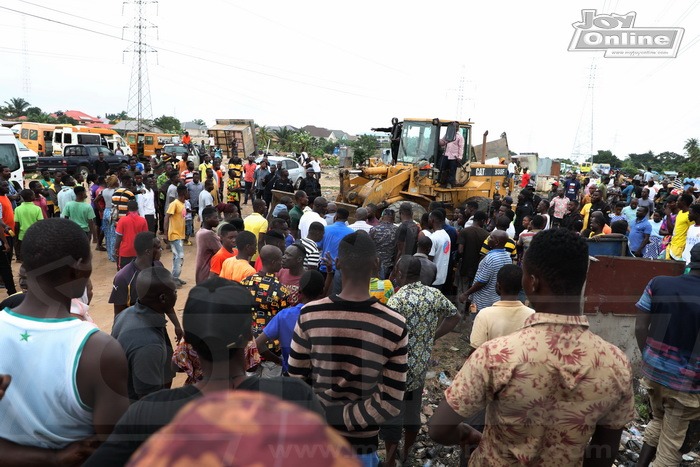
[178, 250]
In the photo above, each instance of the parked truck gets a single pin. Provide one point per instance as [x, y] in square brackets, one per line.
[80, 158]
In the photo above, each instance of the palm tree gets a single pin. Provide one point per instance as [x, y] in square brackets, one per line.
[691, 147]
[264, 136]
[16, 107]
[284, 136]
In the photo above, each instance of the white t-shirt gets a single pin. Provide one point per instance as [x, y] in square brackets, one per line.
[306, 220]
[691, 238]
[316, 166]
[205, 199]
[146, 202]
[441, 254]
[511, 168]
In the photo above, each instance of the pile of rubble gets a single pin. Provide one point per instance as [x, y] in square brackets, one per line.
[631, 444]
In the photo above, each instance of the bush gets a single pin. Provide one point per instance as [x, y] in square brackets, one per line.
[330, 161]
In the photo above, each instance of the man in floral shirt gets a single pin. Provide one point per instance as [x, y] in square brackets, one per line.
[422, 306]
[554, 392]
[269, 296]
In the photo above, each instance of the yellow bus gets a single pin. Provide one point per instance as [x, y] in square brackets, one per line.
[146, 143]
[38, 137]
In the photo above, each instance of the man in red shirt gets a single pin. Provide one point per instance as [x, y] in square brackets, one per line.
[524, 179]
[127, 229]
[248, 177]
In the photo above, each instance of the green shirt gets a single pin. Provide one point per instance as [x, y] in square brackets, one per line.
[294, 215]
[79, 212]
[26, 215]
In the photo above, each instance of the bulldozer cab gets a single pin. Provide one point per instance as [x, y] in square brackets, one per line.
[420, 141]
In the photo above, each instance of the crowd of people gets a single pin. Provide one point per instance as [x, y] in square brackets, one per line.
[320, 325]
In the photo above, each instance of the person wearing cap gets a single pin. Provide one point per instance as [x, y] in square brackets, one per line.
[216, 320]
[311, 185]
[668, 323]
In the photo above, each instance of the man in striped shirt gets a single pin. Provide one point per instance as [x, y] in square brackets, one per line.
[310, 243]
[483, 291]
[122, 196]
[353, 349]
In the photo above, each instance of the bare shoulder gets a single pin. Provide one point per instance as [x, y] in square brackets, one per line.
[102, 353]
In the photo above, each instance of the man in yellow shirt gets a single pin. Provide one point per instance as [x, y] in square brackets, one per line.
[256, 223]
[675, 249]
[206, 164]
[175, 227]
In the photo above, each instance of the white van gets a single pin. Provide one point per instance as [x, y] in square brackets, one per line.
[9, 157]
[65, 136]
[114, 140]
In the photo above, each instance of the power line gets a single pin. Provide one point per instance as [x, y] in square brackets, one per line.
[69, 14]
[180, 44]
[195, 57]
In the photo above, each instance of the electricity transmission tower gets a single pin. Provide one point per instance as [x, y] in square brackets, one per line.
[139, 104]
[26, 83]
[583, 144]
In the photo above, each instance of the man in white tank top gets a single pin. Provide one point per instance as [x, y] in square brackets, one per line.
[68, 378]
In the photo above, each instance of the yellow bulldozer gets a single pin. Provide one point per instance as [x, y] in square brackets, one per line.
[414, 173]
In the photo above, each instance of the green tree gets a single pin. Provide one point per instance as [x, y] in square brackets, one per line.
[264, 136]
[284, 136]
[116, 117]
[365, 147]
[168, 124]
[607, 157]
[642, 161]
[199, 121]
[692, 149]
[301, 141]
[16, 107]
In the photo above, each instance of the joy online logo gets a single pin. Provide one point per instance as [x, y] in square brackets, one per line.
[617, 36]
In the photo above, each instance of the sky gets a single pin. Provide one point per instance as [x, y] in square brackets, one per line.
[354, 65]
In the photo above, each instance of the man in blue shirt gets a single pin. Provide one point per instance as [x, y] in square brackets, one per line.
[333, 235]
[281, 326]
[668, 323]
[639, 232]
[571, 187]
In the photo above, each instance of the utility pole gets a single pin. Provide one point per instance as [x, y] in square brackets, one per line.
[139, 103]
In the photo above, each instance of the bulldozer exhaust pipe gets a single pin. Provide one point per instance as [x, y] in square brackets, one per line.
[483, 147]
